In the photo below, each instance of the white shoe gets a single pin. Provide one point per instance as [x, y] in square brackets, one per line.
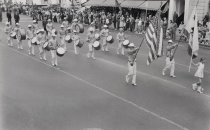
[200, 89]
[173, 76]
[134, 84]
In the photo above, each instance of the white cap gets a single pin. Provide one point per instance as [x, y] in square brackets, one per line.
[74, 31]
[69, 28]
[91, 29]
[49, 20]
[170, 41]
[75, 20]
[62, 26]
[34, 21]
[131, 45]
[7, 23]
[29, 26]
[17, 24]
[105, 26]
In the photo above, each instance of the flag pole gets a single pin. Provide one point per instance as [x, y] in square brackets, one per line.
[191, 47]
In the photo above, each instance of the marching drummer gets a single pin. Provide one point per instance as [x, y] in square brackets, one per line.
[170, 62]
[29, 36]
[19, 41]
[120, 37]
[49, 28]
[76, 40]
[53, 44]
[131, 53]
[40, 37]
[8, 30]
[105, 33]
[62, 33]
[90, 40]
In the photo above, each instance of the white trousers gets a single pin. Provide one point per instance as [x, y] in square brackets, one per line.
[42, 52]
[131, 72]
[120, 47]
[169, 65]
[54, 57]
[91, 52]
[75, 48]
[105, 45]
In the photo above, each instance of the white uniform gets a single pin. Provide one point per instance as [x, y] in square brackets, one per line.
[104, 33]
[53, 44]
[91, 40]
[76, 39]
[40, 42]
[120, 38]
[29, 37]
[62, 37]
[8, 30]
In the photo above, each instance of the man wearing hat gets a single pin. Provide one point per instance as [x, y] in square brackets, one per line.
[40, 36]
[120, 37]
[19, 41]
[76, 39]
[29, 37]
[91, 40]
[49, 28]
[170, 62]
[62, 33]
[131, 53]
[53, 44]
[8, 30]
[105, 33]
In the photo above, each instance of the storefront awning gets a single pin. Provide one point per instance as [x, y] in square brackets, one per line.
[95, 3]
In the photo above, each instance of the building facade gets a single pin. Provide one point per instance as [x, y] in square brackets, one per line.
[185, 7]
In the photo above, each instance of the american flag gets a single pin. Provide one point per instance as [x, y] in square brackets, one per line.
[154, 38]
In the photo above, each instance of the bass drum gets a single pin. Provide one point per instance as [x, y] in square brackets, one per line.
[80, 28]
[125, 43]
[96, 45]
[13, 35]
[60, 52]
[22, 34]
[46, 46]
[68, 39]
[110, 39]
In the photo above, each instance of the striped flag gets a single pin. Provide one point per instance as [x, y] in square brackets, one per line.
[154, 38]
[151, 43]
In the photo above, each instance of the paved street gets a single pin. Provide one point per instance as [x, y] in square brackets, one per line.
[86, 93]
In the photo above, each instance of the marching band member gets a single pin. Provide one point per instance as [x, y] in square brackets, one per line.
[199, 74]
[40, 41]
[131, 53]
[170, 62]
[92, 26]
[53, 44]
[62, 33]
[8, 30]
[29, 36]
[120, 37]
[19, 41]
[90, 40]
[49, 28]
[76, 39]
[105, 33]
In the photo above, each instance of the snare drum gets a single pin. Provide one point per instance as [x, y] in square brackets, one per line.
[110, 39]
[125, 43]
[60, 51]
[68, 39]
[34, 41]
[97, 37]
[13, 35]
[46, 46]
[96, 45]
[79, 44]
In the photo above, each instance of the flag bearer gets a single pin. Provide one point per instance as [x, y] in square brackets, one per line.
[53, 44]
[40, 41]
[131, 52]
[170, 62]
[62, 33]
[76, 40]
[90, 40]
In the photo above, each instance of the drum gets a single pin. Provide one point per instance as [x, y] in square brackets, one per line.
[79, 44]
[46, 46]
[60, 51]
[34, 41]
[110, 39]
[125, 43]
[13, 35]
[96, 45]
[97, 37]
[80, 28]
[68, 39]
